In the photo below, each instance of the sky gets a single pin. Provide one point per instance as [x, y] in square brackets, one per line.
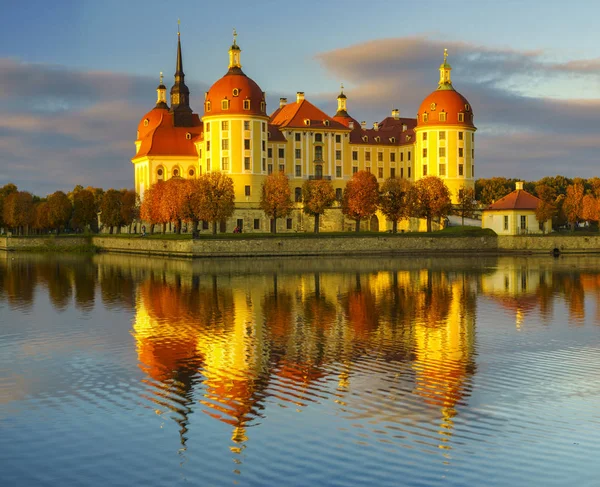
[77, 76]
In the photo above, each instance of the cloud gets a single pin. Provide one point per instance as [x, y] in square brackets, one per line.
[522, 131]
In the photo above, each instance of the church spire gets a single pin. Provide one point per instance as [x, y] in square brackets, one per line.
[235, 65]
[180, 93]
[445, 68]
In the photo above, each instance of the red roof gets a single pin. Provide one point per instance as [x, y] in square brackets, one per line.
[293, 115]
[163, 139]
[519, 199]
[236, 87]
[449, 102]
[275, 135]
[389, 132]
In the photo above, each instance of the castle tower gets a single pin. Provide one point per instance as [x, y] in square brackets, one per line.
[180, 93]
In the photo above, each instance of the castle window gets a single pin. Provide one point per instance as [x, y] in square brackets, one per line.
[472, 171]
[380, 156]
[472, 153]
[377, 139]
[326, 123]
[318, 137]
[367, 156]
[146, 122]
[281, 167]
[236, 92]
[262, 106]
[246, 125]
[461, 117]
[461, 170]
[338, 138]
[175, 172]
[460, 134]
[208, 106]
[256, 224]
[246, 163]
[472, 137]
[408, 169]
[402, 172]
[393, 140]
[246, 144]
[225, 163]
[225, 104]
[270, 153]
[306, 121]
[467, 107]
[298, 153]
[408, 156]
[191, 172]
[208, 164]
[408, 137]
[442, 170]
[368, 169]
[392, 157]
[208, 126]
[425, 117]
[442, 152]
[160, 173]
[246, 104]
[225, 144]
[264, 145]
[188, 136]
[338, 155]
[424, 135]
[281, 153]
[318, 153]
[425, 152]
[264, 164]
[297, 137]
[298, 195]
[380, 172]
[442, 116]
[224, 125]
[365, 138]
[338, 171]
[442, 135]
[460, 152]
[339, 194]
[425, 170]
[298, 170]
[401, 156]
[393, 172]
[354, 169]
[288, 223]
[355, 155]
[270, 169]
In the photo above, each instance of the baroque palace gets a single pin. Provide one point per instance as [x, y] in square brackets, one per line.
[237, 136]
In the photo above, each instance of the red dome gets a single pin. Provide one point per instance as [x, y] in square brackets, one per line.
[449, 102]
[235, 87]
[150, 121]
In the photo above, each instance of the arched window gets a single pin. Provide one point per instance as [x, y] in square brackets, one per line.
[160, 174]
[176, 172]
[191, 172]
[246, 104]
[225, 104]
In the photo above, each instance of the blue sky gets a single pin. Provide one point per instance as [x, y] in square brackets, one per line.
[76, 76]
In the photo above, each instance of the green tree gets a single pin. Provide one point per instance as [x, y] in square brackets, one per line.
[130, 208]
[59, 210]
[430, 199]
[490, 190]
[466, 204]
[394, 200]
[84, 210]
[317, 195]
[276, 198]
[361, 197]
[111, 210]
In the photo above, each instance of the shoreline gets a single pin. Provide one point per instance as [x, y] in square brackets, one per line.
[300, 246]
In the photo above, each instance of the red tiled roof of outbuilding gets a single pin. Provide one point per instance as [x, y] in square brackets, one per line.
[519, 199]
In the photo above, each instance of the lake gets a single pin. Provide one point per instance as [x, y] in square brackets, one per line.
[129, 370]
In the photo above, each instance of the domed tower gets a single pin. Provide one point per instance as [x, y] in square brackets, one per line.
[236, 129]
[342, 115]
[445, 136]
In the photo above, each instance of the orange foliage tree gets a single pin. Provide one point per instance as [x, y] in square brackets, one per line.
[276, 198]
[317, 195]
[150, 209]
[84, 209]
[213, 198]
[41, 218]
[361, 197]
[573, 204]
[6, 190]
[172, 202]
[111, 210]
[192, 198]
[394, 200]
[430, 199]
[18, 211]
[130, 207]
[590, 208]
[59, 210]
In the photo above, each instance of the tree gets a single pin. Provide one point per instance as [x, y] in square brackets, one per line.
[173, 201]
[192, 202]
[6, 190]
[430, 199]
[557, 183]
[111, 209]
[276, 198]
[41, 218]
[361, 197]
[590, 209]
[466, 203]
[317, 195]
[18, 211]
[84, 209]
[59, 210]
[573, 204]
[150, 209]
[394, 200]
[489, 190]
[129, 207]
[215, 198]
[547, 207]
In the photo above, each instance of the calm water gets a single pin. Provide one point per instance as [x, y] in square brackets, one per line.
[120, 370]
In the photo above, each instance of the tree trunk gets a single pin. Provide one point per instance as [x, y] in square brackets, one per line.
[119, 229]
[317, 223]
[395, 226]
[463, 218]
[274, 225]
[178, 227]
[429, 224]
[215, 227]
[357, 228]
[111, 230]
[194, 226]
[152, 229]
[164, 228]
[57, 230]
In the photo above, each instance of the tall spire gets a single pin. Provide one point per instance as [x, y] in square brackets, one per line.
[180, 93]
[341, 100]
[235, 66]
[161, 94]
[445, 68]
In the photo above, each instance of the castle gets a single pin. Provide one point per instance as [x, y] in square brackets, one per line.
[237, 136]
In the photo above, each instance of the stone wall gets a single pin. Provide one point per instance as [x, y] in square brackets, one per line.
[547, 243]
[42, 243]
[140, 245]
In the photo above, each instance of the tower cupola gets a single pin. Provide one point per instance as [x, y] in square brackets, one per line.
[235, 65]
[161, 94]
[445, 68]
[341, 104]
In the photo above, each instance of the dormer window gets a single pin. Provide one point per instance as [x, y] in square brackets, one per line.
[236, 92]
[393, 140]
[225, 104]
[461, 117]
[408, 138]
[306, 121]
[365, 138]
[442, 116]
[188, 136]
[146, 122]
[467, 107]
[326, 123]
[246, 104]
[262, 106]
[208, 106]
[425, 117]
[377, 139]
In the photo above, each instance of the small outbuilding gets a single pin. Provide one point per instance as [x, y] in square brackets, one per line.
[515, 214]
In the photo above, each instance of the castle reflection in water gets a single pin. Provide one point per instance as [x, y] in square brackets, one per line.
[230, 338]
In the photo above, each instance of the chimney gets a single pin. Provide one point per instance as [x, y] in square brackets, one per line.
[299, 96]
[282, 102]
[363, 125]
[404, 127]
[375, 126]
[396, 114]
[351, 125]
[519, 185]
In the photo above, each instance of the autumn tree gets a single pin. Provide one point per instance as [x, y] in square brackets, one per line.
[590, 209]
[129, 207]
[172, 202]
[317, 195]
[5, 191]
[557, 183]
[192, 198]
[59, 210]
[466, 204]
[430, 199]
[276, 198]
[573, 204]
[41, 217]
[18, 211]
[361, 197]
[215, 198]
[547, 207]
[394, 200]
[150, 209]
[111, 209]
[84, 209]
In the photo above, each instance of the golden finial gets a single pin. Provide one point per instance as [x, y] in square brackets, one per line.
[342, 87]
[445, 55]
[234, 37]
[161, 77]
[178, 24]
